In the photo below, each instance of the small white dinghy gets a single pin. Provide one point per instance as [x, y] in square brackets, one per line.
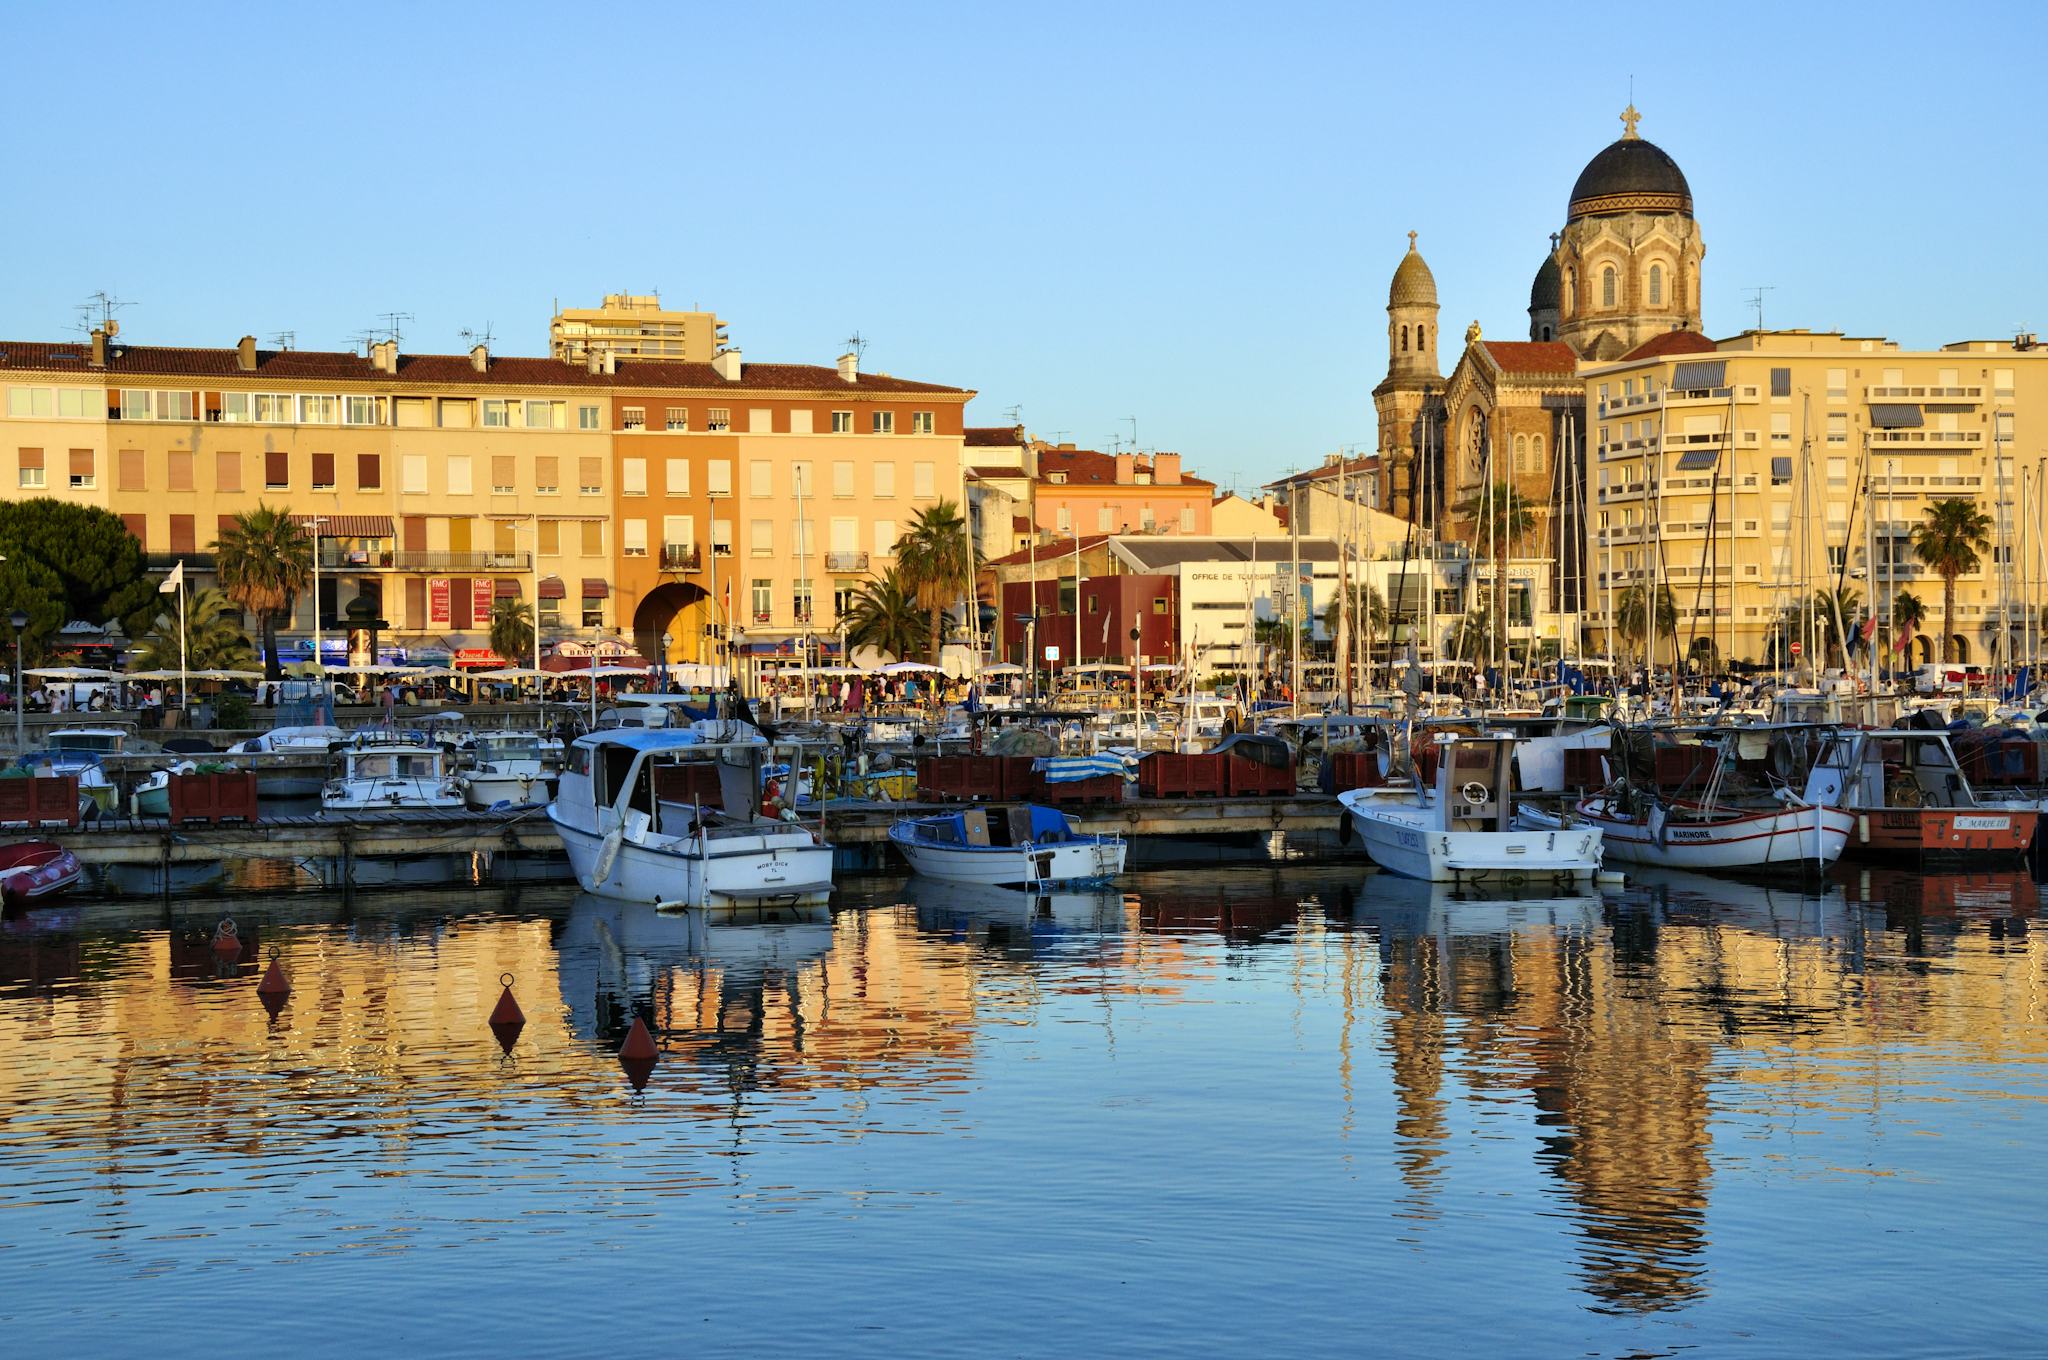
[1030, 847]
[1460, 831]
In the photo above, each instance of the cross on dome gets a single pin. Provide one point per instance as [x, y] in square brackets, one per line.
[1629, 119]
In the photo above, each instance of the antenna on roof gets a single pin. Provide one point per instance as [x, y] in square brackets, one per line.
[1134, 430]
[1758, 301]
[857, 346]
[391, 330]
[285, 339]
[471, 339]
[364, 338]
[97, 313]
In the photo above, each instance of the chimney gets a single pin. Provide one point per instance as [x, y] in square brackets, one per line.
[1126, 469]
[611, 361]
[245, 354]
[99, 347]
[1166, 469]
[384, 356]
[849, 368]
[480, 358]
[726, 364]
[591, 361]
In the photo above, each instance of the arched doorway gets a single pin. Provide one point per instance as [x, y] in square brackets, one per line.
[1923, 648]
[679, 609]
[1959, 645]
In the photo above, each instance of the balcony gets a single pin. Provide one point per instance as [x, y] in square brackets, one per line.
[681, 557]
[846, 561]
[1971, 392]
[335, 557]
[1744, 439]
[1969, 439]
[463, 561]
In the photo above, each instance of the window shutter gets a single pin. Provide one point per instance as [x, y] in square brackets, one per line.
[323, 469]
[227, 471]
[415, 600]
[181, 469]
[547, 472]
[415, 533]
[31, 458]
[81, 463]
[277, 469]
[129, 474]
[369, 472]
[137, 527]
[501, 470]
[590, 472]
[182, 537]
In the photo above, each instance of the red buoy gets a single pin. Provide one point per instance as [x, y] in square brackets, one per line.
[227, 942]
[506, 1017]
[274, 983]
[639, 1045]
[507, 1011]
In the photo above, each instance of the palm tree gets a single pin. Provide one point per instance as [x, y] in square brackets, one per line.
[935, 557]
[1947, 543]
[1499, 517]
[1367, 606]
[264, 561]
[1830, 607]
[214, 640]
[1632, 615]
[1472, 639]
[886, 616]
[512, 631]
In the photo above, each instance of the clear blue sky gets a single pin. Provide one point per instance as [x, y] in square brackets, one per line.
[1182, 213]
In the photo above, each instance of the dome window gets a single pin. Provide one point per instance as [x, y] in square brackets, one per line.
[1404, 339]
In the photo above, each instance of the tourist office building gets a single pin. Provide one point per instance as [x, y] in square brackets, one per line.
[631, 500]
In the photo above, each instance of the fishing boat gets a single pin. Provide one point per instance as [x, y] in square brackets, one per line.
[1907, 797]
[1026, 846]
[1713, 808]
[511, 769]
[1461, 828]
[384, 772]
[666, 817]
[33, 872]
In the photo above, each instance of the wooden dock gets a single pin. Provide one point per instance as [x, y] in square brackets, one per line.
[407, 832]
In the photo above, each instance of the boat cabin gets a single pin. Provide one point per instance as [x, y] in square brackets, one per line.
[996, 828]
[1475, 781]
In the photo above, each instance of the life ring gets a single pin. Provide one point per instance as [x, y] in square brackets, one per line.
[1475, 792]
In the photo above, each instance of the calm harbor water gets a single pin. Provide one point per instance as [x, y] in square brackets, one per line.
[1244, 1111]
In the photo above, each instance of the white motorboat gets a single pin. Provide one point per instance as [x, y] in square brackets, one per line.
[294, 780]
[513, 769]
[380, 772]
[1460, 830]
[665, 817]
[1709, 824]
[1030, 847]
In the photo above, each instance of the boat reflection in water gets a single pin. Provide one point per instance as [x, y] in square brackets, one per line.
[1016, 921]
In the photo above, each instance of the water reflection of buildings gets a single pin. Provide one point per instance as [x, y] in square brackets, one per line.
[1624, 1024]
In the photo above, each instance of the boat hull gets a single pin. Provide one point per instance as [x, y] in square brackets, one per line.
[40, 872]
[1997, 835]
[1792, 840]
[1400, 846]
[1081, 863]
[738, 871]
[482, 791]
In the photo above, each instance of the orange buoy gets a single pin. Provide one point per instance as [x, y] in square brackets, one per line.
[274, 983]
[507, 1011]
[639, 1045]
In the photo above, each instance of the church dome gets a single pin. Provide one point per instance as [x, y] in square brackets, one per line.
[1414, 285]
[1547, 293]
[1630, 175]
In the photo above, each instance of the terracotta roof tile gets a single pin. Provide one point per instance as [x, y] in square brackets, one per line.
[440, 370]
[1046, 552]
[1087, 467]
[1671, 342]
[994, 436]
[1531, 356]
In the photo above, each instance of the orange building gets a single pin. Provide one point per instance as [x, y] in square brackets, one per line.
[1082, 491]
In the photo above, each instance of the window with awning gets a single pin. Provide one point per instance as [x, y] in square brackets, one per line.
[349, 526]
[1781, 469]
[82, 474]
[595, 588]
[1891, 417]
[1695, 459]
[1699, 375]
[552, 588]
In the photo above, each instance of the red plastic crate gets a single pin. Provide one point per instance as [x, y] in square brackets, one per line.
[213, 797]
[1170, 774]
[39, 801]
[1018, 781]
[1250, 779]
[1585, 769]
[1355, 770]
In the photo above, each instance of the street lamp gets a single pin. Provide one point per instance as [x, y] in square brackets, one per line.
[666, 643]
[20, 621]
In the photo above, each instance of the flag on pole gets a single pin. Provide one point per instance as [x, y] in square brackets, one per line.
[1870, 627]
[173, 581]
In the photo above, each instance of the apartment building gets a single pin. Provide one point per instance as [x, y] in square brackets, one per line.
[1081, 491]
[435, 485]
[1750, 472]
[754, 500]
[634, 326]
